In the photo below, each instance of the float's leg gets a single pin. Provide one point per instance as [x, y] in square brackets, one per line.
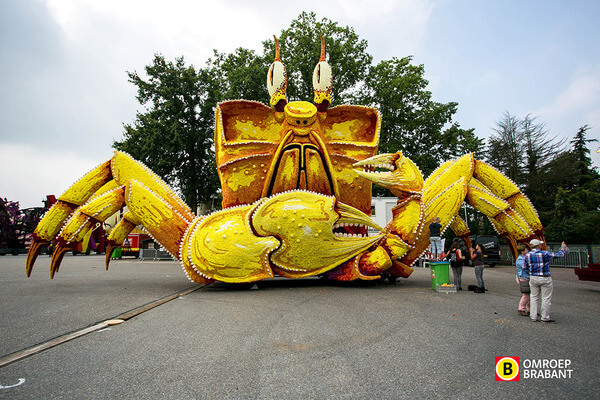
[67, 203]
[82, 221]
[118, 171]
[119, 233]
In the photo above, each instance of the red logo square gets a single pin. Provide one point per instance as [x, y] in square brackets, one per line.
[507, 369]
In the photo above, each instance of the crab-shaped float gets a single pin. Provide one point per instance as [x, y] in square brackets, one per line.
[296, 184]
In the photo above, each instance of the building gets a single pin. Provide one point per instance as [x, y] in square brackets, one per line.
[381, 210]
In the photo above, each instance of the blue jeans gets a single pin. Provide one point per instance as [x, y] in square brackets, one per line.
[436, 245]
[479, 276]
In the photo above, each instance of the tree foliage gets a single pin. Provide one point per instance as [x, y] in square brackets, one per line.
[174, 136]
[241, 74]
[586, 172]
[521, 147]
[576, 213]
[412, 121]
[562, 183]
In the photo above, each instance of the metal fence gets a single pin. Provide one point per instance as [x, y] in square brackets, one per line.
[154, 254]
[506, 255]
[578, 255]
[595, 253]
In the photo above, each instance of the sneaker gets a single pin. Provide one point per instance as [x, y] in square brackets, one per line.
[534, 320]
[523, 312]
[548, 320]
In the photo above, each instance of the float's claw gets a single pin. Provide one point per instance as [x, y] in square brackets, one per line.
[110, 247]
[309, 226]
[49, 227]
[392, 171]
[57, 257]
[34, 250]
[223, 246]
[83, 221]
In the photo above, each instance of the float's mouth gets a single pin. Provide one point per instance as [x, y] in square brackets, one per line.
[352, 223]
[309, 227]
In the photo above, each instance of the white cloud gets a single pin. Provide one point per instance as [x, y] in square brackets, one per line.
[490, 79]
[582, 92]
[577, 105]
[31, 173]
[394, 28]
[412, 13]
[137, 28]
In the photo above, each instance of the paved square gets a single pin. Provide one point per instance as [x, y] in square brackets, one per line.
[304, 339]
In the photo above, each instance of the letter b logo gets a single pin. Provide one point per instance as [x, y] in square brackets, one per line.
[507, 368]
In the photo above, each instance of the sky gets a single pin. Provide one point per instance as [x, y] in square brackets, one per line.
[65, 95]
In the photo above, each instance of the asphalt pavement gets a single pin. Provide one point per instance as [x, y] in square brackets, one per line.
[284, 339]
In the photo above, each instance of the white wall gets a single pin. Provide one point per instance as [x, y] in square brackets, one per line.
[381, 209]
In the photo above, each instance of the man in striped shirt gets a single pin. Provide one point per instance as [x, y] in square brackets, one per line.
[537, 262]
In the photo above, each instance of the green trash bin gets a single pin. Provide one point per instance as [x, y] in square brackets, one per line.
[440, 273]
[116, 253]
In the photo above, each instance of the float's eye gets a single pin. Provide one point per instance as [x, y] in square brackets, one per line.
[322, 77]
[276, 78]
[322, 81]
[277, 81]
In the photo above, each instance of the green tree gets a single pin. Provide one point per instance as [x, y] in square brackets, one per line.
[586, 172]
[505, 147]
[412, 121]
[457, 142]
[241, 74]
[174, 136]
[538, 148]
[575, 182]
[577, 216]
[522, 149]
[558, 173]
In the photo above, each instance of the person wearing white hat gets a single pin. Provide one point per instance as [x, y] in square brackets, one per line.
[537, 262]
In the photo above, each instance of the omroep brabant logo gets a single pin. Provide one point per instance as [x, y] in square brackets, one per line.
[512, 369]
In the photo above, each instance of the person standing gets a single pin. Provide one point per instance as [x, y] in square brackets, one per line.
[522, 281]
[537, 264]
[435, 237]
[455, 256]
[477, 257]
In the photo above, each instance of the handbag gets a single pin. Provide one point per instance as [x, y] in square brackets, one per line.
[524, 285]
